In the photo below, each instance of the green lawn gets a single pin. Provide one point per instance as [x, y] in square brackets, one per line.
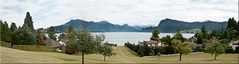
[123, 55]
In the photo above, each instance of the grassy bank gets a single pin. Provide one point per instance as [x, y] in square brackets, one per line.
[123, 55]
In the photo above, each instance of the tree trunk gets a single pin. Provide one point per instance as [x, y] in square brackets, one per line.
[82, 58]
[215, 56]
[104, 58]
[180, 56]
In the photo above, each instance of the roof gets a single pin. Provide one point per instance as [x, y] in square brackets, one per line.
[53, 43]
[152, 42]
[235, 42]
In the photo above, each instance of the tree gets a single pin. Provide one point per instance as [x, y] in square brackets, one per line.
[13, 27]
[155, 34]
[28, 23]
[167, 40]
[199, 38]
[215, 48]
[23, 37]
[106, 50]
[5, 32]
[178, 35]
[86, 43]
[232, 24]
[203, 29]
[182, 48]
[40, 37]
[51, 33]
[71, 40]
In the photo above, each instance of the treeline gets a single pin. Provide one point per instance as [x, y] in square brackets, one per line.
[215, 42]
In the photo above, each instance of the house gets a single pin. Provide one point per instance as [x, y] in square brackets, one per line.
[234, 44]
[153, 43]
[54, 44]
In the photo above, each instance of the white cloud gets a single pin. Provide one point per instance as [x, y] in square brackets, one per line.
[47, 13]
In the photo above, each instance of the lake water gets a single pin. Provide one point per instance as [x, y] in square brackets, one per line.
[120, 38]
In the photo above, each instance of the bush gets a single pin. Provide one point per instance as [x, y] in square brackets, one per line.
[143, 50]
[5, 44]
[34, 48]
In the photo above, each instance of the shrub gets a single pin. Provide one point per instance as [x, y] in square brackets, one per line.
[34, 48]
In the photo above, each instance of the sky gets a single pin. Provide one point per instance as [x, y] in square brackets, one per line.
[46, 13]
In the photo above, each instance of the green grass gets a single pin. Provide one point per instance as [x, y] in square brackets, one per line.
[123, 55]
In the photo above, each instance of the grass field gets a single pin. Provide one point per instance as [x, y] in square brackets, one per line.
[123, 55]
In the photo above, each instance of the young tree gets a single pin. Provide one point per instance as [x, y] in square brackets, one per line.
[106, 50]
[51, 33]
[215, 48]
[86, 43]
[155, 34]
[182, 48]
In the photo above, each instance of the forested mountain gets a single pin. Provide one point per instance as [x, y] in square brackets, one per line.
[169, 25]
[102, 26]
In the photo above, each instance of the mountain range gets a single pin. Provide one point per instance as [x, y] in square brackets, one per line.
[166, 26]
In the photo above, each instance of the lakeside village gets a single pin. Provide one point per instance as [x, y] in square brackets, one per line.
[73, 42]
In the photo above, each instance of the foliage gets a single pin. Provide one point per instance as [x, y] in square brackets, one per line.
[106, 50]
[5, 32]
[178, 35]
[155, 35]
[182, 47]
[215, 48]
[167, 40]
[34, 48]
[51, 33]
[40, 37]
[70, 39]
[23, 37]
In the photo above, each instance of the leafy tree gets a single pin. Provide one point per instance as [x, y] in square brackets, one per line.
[178, 35]
[106, 50]
[182, 48]
[51, 33]
[167, 40]
[40, 37]
[215, 48]
[86, 43]
[155, 35]
[23, 37]
[71, 40]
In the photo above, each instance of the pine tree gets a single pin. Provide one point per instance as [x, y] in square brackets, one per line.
[5, 32]
[13, 27]
[28, 23]
[203, 29]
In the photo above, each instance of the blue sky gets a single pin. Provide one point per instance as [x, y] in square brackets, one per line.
[47, 13]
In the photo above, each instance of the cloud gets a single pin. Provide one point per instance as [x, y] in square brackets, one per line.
[47, 13]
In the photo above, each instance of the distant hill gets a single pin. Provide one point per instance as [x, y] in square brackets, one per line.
[102, 26]
[170, 25]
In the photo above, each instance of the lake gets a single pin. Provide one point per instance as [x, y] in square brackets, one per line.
[120, 38]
